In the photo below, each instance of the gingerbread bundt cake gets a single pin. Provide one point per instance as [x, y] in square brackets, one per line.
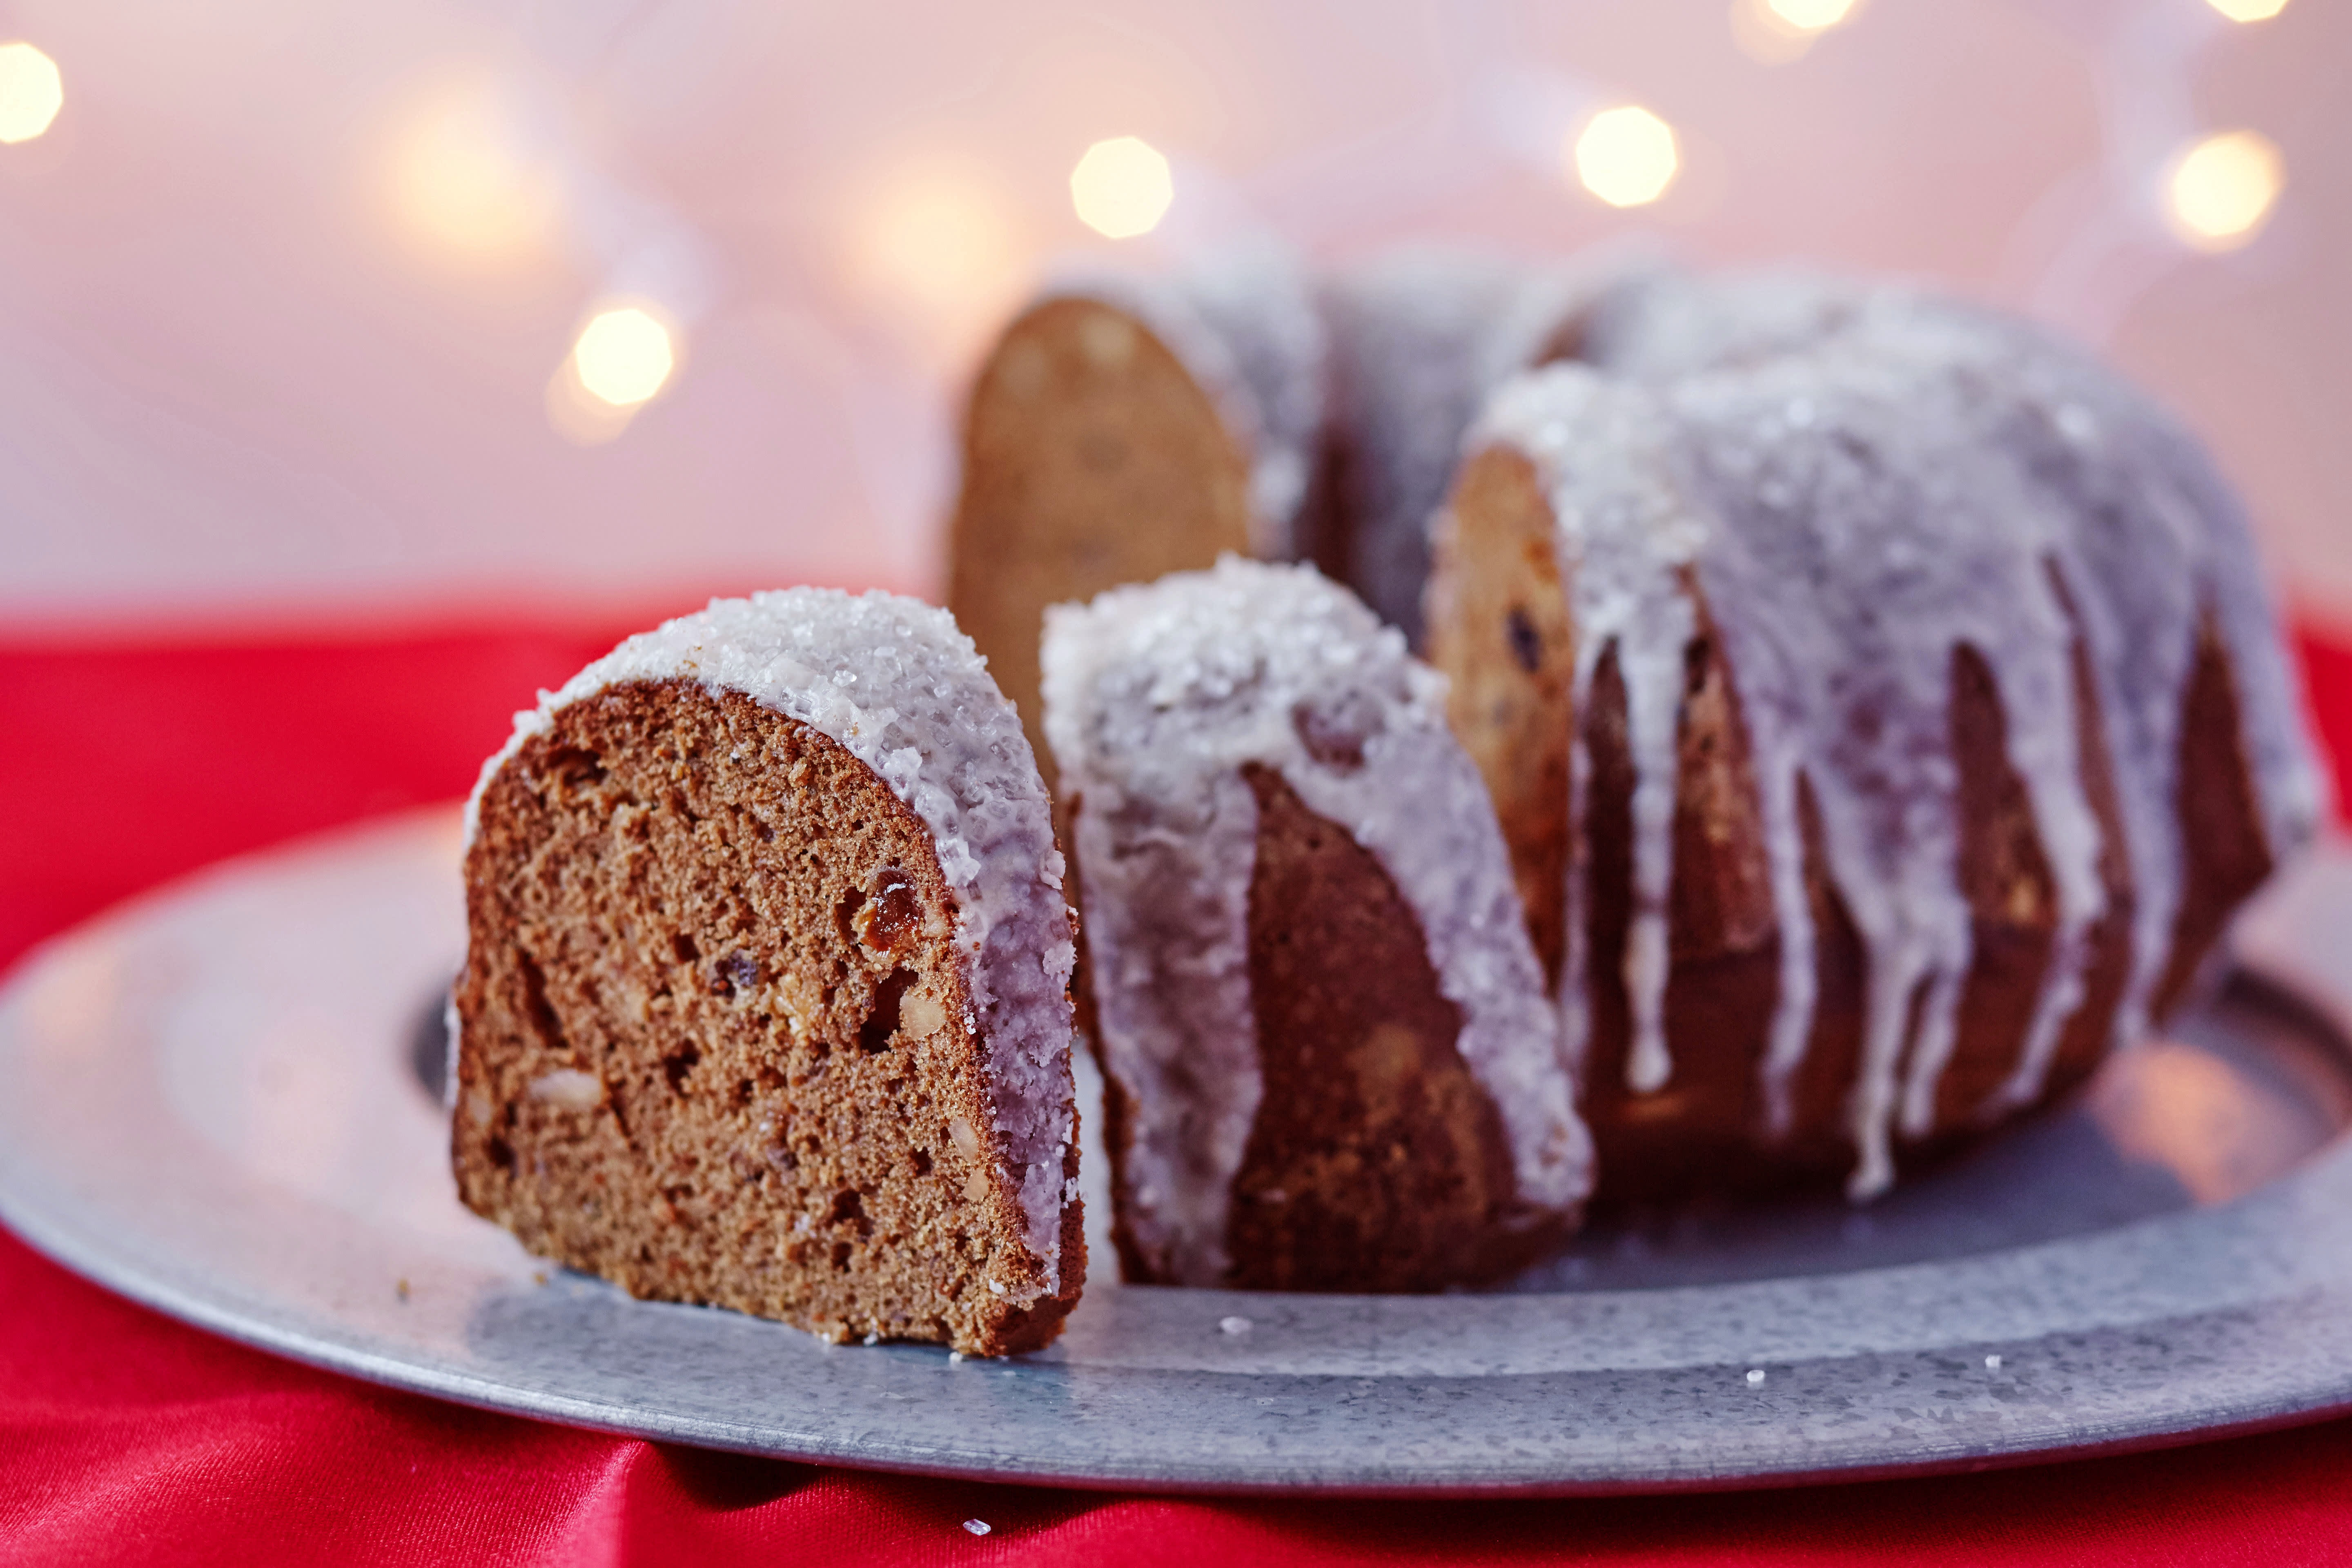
[1123, 428]
[1329, 1061]
[1881, 704]
[766, 999]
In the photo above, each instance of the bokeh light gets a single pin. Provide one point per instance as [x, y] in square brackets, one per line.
[624, 356]
[2221, 189]
[621, 359]
[31, 93]
[1810, 15]
[1776, 32]
[938, 247]
[932, 234]
[1626, 156]
[2248, 10]
[1122, 187]
[463, 179]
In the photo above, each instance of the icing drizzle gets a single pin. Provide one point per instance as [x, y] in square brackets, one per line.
[1418, 337]
[1858, 481]
[1156, 696]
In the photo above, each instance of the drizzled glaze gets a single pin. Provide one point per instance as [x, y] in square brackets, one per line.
[1156, 696]
[1857, 481]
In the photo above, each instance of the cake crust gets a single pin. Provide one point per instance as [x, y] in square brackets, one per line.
[1376, 1162]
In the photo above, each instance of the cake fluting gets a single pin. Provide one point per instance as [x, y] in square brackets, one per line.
[765, 1000]
[1329, 1061]
[1883, 708]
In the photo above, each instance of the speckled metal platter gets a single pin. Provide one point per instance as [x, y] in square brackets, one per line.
[214, 1105]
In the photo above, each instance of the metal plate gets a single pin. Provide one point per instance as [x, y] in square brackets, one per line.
[214, 1107]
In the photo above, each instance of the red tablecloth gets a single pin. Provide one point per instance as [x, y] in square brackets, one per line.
[125, 1436]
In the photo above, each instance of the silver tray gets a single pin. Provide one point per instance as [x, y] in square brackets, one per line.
[212, 1106]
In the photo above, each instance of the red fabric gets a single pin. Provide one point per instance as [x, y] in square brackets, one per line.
[125, 1436]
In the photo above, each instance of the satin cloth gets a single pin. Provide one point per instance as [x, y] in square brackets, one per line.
[127, 1438]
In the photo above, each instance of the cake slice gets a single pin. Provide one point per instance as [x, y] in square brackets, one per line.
[1329, 1061]
[1124, 427]
[765, 1000]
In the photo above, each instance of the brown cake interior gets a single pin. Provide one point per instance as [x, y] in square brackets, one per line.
[1091, 457]
[715, 1044]
[1500, 631]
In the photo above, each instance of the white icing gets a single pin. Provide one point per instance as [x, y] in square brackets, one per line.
[1858, 481]
[1624, 537]
[897, 684]
[2150, 539]
[1155, 696]
[1243, 323]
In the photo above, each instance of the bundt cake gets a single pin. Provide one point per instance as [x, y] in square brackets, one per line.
[1881, 705]
[1123, 428]
[765, 996]
[1329, 1061]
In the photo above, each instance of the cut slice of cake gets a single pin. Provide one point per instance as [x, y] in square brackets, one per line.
[765, 1000]
[1329, 1061]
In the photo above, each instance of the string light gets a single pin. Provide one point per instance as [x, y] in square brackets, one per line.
[31, 93]
[2223, 188]
[624, 356]
[1122, 187]
[1776, 32]
[1626, 156]
[2248, 10]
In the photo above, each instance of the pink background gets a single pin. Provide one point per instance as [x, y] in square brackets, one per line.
[233, 383]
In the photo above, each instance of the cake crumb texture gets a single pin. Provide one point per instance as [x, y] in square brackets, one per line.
[750, 1019]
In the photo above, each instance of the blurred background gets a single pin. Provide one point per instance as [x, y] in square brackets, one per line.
[314, 310]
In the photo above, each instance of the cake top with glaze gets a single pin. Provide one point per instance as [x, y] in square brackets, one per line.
[1245, 662]
[898, 684]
